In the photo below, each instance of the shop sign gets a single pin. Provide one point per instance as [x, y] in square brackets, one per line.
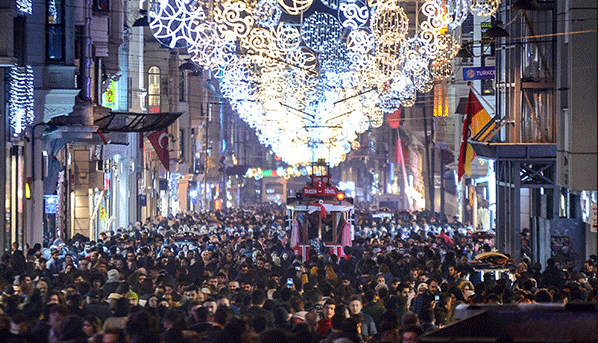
[320, 189]
[479, 73]
[50, 204]
[103, 212]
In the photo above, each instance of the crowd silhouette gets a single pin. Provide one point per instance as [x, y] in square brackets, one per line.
[232, 276]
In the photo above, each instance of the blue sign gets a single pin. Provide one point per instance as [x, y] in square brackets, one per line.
[479, 73]
[50, 204]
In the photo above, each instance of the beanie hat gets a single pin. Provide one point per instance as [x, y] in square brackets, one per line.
[132, 295]
[113, 275]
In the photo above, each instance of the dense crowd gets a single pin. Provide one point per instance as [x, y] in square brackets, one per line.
[238, 280]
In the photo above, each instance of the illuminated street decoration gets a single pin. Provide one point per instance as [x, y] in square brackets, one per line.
[309, 82]
[321, 32]
[457, 12]
[389, 24]
[24, 6]
[20, 98]
[353, 14]
[295, 7]
[484, 8]
[267, 13]
[174, 22]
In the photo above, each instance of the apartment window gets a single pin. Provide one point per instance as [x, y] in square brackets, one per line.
[101, 6]
[55, 33]
[153, 89]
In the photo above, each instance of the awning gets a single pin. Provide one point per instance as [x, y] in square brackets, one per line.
[515, 151]
[136, 122]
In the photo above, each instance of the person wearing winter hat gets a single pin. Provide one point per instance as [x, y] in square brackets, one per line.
[112, 282]
[133, 298]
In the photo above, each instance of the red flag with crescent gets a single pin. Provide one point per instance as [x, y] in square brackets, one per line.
[159, 140]
[394, 118]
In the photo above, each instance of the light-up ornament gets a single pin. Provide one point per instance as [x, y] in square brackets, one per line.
[288, 38]
[389, 24]
[442, 69]
[335, 60]
[449, 47]
[360, 41]
[234, 19]
[295, 7]
[261, 46]
[173, 21]
[431, 28]
[484, 8]
[334, 4]
[25, 6]
[321, 32]
[457, 10]
[267, 13]
[353, 14]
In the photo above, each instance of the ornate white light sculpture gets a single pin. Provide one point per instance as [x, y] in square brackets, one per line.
[353, 14]
[309, 80]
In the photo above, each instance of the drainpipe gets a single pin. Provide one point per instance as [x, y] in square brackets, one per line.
[83, 110]
[86, 61]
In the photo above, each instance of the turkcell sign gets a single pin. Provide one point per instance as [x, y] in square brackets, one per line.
[479, 73]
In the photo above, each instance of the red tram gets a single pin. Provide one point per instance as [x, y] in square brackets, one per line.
[320, 216]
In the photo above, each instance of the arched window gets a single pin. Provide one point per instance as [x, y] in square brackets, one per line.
[153, 89]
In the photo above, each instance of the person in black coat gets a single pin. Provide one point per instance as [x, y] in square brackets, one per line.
[17, 260]
[258, 298]
[97, 306]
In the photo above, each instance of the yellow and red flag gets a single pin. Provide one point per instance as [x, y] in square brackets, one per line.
[476, 117]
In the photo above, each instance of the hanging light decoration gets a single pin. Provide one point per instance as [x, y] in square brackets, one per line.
[309, 80]
[20, 98]
[484, 8]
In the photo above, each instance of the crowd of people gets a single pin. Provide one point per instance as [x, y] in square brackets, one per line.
[237, 280]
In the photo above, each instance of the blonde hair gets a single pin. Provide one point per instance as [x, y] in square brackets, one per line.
[465, 283]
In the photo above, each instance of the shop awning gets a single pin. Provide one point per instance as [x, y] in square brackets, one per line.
[515, 151]
[135, 122]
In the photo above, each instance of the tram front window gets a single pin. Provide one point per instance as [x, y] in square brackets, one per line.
[318, 227]
[327, 234]
[313, 225]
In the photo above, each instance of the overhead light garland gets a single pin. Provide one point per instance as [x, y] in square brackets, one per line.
[310, 77]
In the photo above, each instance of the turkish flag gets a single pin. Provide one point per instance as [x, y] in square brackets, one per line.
[159, 140]
[394, 118]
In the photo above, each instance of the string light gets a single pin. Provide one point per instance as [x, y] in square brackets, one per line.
[20, 102]
[25, 6]
[310, 85]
